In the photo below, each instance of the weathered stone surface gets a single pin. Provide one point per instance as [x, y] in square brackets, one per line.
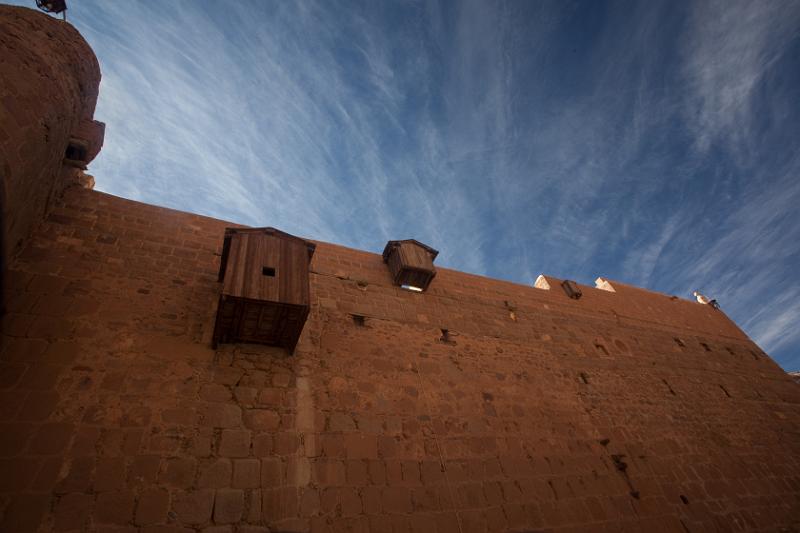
[623, 410]
[49, 90]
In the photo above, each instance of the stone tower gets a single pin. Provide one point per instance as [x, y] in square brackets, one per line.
[468, 405]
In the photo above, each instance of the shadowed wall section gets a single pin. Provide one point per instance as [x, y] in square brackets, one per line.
[50, 78]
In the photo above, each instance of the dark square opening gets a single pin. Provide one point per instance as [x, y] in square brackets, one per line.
[268, 271]
[447, 337]
[75, 152]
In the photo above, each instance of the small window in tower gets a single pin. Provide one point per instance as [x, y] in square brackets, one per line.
[76, 151]
[268, 271]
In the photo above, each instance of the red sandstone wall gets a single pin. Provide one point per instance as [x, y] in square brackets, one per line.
[48, 83]
[579, 416]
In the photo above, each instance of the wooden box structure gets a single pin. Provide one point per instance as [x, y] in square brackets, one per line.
[572, 289]
[265, 289]
[410, 263]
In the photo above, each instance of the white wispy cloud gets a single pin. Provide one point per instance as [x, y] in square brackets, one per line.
[731, 51]
[732, 44]
[291, 123]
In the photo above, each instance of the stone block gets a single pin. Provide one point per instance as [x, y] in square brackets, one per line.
[246, 473]
[114, 507]
[152, 506]
[215, 474]
[228, 506]
[234, 443]
[72, 512]
[193, 507]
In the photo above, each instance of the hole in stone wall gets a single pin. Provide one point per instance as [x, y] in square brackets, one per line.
[358, 320]
[684, 499]
[705, 346]
[512, 310]
[447, 337]
[76, 152]
[755, 356]
[552, 489]
[584, 377]
[729, 350]
[679, 342]
[268, 271]
[725, 391]
[600, 348]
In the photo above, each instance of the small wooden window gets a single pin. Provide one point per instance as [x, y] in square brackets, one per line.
[410, 264]
[265, 287]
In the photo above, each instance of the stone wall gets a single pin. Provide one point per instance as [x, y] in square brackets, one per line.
[48, 92]
[624, 410]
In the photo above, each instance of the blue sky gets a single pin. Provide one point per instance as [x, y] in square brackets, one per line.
[655, 143]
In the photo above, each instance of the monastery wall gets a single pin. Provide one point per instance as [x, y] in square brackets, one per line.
[620, 411]
[604, 413]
